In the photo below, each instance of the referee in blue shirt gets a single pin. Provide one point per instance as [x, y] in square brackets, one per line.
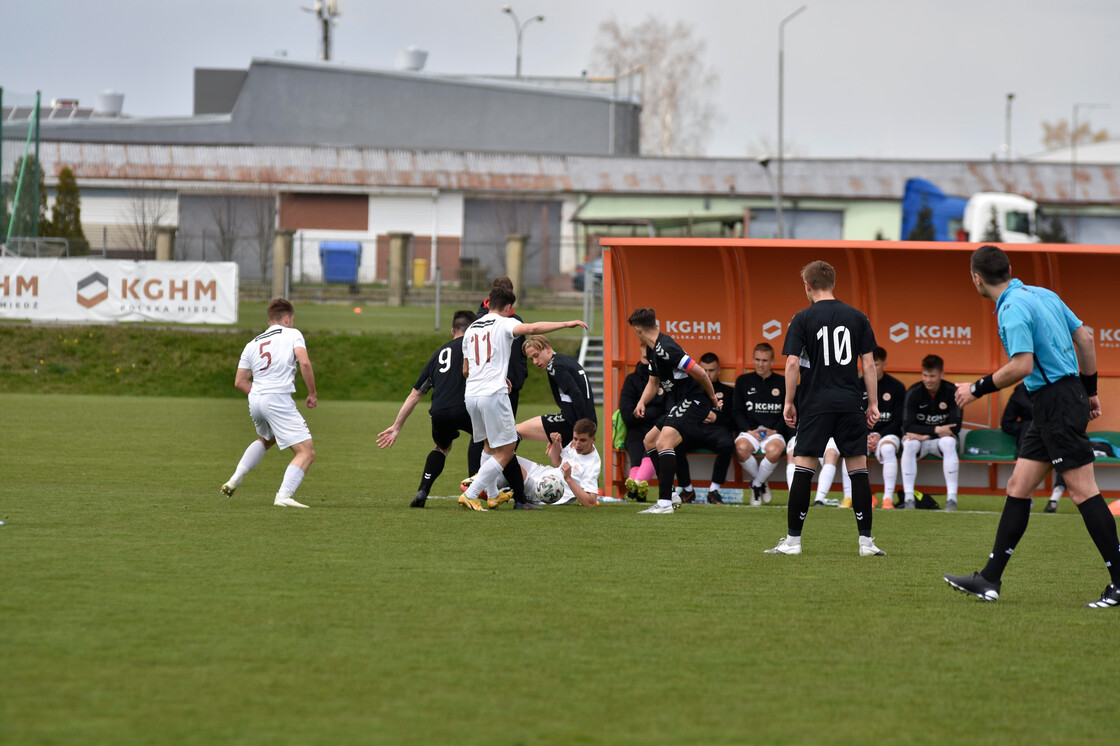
[1052, 352]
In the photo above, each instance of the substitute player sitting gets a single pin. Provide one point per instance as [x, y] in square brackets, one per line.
[759, 399]
[885, 439]
[266, 372]
[443, 376]
[931, 420]
[570, 390]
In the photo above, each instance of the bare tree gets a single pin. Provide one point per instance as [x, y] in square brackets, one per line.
[677, 106]
[262, 225]
[1057, 135]
[227, 223]
[146, 211]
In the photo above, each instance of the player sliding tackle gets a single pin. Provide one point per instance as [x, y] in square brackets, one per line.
[487, 346]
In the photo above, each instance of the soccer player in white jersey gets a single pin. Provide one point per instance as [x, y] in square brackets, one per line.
[487, 346]
[577, 465]
[267, 374]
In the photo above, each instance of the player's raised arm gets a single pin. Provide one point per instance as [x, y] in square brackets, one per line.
[546, 327]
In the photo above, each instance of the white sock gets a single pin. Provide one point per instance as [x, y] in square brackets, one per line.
[790, 467]
[664, 503]
[293, 475]
[846, 480]
[890, 469]
[951, 464]
[765, 469]
[910, 450]
[824, 480]
[487, 478]
[249, 460]
[750, 467]
[713, 487]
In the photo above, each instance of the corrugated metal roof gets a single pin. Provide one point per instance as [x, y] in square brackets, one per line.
[295, 166]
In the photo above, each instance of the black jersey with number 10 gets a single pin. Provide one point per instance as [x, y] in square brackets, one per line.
[829, 337]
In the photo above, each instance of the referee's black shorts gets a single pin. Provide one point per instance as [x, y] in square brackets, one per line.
[446, 426]
[1057, 432]
[848, 428]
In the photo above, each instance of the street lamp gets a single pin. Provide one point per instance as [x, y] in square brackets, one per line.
[520, 27]
[1073, 167]
[764, 161]
[781, 104]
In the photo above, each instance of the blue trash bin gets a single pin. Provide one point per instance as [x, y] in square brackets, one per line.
[341, 260]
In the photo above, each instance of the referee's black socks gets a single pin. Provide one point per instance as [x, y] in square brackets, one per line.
[1102, 527]
[1012, 525]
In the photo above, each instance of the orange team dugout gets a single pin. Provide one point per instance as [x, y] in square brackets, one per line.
[727, 295]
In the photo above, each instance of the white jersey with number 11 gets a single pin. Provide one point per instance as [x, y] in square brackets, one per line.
[487, 346]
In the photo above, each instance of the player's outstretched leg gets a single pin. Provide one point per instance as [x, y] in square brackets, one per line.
[433, 467]
[249, 460]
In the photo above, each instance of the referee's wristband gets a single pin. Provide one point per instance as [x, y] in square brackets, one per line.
[984, 386]
[1089, 381]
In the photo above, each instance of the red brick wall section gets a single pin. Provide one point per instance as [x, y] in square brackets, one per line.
[340, 212]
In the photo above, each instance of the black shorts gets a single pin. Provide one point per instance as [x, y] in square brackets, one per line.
[686, 414]
[848, 428]
[446, 427]
[1057, 432]
[555, 423]
[713, 437]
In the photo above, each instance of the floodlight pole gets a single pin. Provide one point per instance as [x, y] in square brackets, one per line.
[520, 28]
[781, 106]
[1007, 129]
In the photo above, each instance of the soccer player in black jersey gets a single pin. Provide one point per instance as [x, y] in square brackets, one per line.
[570, 389]
[443, 376]
[824, 342]
[931, 421]
[685, 382]
[885, 439]
[758, 403]
[714, 433]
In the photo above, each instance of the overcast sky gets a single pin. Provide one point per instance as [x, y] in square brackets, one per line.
[863, 78]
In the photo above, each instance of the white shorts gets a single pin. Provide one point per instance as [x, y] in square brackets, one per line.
[492, 419]
[931, 446]
[887, 439]
[276, 416]
[755, 445]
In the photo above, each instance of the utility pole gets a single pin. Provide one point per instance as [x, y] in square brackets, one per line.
[327, 13]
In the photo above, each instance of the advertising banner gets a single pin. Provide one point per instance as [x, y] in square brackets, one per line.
[107, 290]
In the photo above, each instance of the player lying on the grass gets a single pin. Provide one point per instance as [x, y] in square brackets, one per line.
[487, 346]
[570, 389]
[266, 373]
[1053, 353]
[576, 467]
[443, 376]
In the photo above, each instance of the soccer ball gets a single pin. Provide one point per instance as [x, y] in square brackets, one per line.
[550, 488]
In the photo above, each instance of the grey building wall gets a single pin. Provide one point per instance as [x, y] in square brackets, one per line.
[285, 103]
[227, 228]
[216, 90]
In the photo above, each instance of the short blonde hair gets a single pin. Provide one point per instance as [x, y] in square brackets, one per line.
[538, 342]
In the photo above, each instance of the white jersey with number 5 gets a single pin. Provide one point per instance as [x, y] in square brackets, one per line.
[486, 348]
[271, 358]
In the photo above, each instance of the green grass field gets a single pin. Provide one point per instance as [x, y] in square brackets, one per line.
[137, 605]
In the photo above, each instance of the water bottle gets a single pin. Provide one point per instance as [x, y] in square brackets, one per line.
[761, 432]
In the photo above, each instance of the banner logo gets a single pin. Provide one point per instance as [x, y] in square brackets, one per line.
[771, 329]
[899, 332]
[932, 333]
[93, 289]
[693, 329]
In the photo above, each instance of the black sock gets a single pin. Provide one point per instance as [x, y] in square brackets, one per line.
[799, 499]
[513, 475]
[433, 467]
[684, 473]
[1102, 527]
[1012, 525]
[474, 456]
[667, 466]
[861, 500]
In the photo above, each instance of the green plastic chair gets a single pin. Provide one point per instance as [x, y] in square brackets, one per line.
[992, 444]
